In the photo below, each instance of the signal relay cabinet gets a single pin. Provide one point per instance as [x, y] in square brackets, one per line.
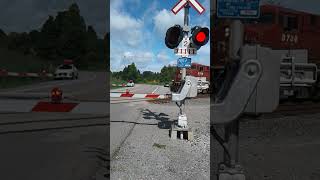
[256, 94]
[188, 89]
[254, 89]
[265, 97]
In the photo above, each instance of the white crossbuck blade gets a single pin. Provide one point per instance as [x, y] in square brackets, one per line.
[194, 3]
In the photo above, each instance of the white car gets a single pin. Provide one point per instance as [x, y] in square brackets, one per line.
[203, 86]
[66, 71]
[130, 84]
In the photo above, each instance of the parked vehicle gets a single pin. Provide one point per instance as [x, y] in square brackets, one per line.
[66, 71]
[202, 72]
[130, 83]
[203, 86]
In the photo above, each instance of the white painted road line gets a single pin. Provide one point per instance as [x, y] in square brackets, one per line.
[155, 90]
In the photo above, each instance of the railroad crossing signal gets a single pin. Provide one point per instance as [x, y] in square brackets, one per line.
[174, 36]
[200, 36]
[194, 3]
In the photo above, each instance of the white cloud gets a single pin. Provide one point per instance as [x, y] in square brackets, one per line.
[139, 56]
[120, 59]
[141, 59]
[165, 19]
[163, 57]
[172, 63]
[116, 59]
[125, 28]
[152, 67]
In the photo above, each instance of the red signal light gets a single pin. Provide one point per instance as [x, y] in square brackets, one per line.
[200, 37]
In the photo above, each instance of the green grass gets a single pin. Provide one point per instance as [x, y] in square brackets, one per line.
[13, 61]
[152, 83]
[117, 82]
[18, 62]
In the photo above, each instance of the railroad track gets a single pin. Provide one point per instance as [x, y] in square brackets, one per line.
[296, 108]
[52, 124]
[289, 109]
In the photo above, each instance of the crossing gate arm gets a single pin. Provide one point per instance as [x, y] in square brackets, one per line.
[139, 96]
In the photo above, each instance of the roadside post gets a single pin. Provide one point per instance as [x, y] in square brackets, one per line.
[254, 87]
[189, 46]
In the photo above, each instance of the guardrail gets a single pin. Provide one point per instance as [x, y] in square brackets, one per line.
[5, 73]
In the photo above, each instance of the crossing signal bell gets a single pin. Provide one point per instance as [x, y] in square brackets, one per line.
[174, 36]
[200, 36]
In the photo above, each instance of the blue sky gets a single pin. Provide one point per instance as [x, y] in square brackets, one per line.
[137, 31]
[138, 28]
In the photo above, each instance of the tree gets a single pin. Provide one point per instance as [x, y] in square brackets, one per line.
[167, 73]
[72, 33]
[48, 39]
[20, 42]
[131, 73]
[64, 36]
[3, 39]
[92, 39]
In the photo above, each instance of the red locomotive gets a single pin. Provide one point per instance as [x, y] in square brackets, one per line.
[196, 70]
[278, 28]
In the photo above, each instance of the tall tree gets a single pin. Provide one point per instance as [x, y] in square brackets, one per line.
[48, 39]
[131, 73]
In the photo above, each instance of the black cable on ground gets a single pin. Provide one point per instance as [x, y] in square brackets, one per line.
[220, 140]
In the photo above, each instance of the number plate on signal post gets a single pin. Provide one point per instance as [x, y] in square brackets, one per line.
[185, 51]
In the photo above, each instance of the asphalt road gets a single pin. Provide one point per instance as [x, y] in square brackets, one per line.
[55, 146]
[91, 86]
[124, 113]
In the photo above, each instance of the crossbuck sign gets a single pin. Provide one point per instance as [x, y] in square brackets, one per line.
[194, 3]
